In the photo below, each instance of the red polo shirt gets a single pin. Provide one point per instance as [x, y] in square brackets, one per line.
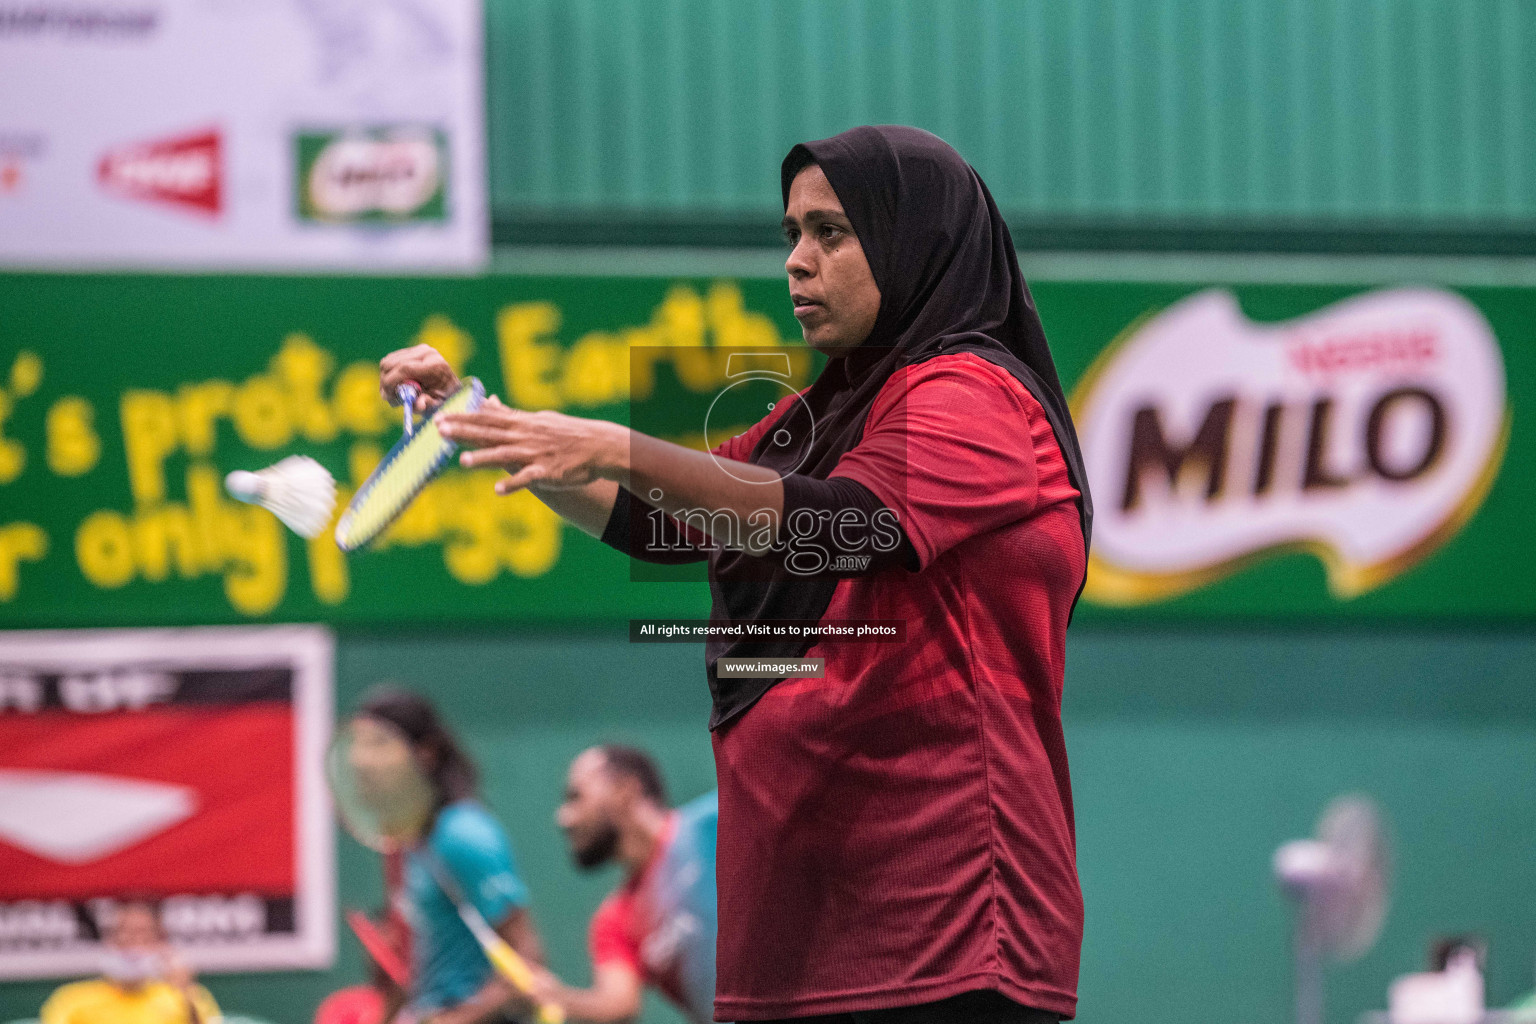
[901, 831]
[628, 917]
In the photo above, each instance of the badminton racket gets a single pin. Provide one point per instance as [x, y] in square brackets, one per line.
[498, 951]
[415, 460]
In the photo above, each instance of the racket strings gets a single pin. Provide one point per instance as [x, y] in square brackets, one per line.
[405, 470]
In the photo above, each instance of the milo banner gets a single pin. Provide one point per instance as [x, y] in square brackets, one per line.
[1364, 433]
[1256, 452]
[116, 776]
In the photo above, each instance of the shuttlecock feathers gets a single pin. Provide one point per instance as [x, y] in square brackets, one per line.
[298, 490]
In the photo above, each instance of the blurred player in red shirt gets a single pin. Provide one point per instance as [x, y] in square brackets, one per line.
[658, 927]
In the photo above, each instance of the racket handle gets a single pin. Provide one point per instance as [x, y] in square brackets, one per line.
[505, 960]
[408, 392]
[513, 968]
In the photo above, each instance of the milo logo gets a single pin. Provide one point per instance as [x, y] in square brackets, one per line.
[391, 174]
[1366, 433]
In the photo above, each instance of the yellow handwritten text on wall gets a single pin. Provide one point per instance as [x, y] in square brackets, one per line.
[305, 397]
[19, 542]
[595, 370]
[268, 411]
[74, 447]
[25, 376]
[206, 535]
[26, 373]
[13, 456]
[452, 343]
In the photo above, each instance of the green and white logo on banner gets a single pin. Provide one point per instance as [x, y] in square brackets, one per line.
[378, 174]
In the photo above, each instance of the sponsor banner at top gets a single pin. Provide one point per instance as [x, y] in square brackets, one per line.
[327, 134]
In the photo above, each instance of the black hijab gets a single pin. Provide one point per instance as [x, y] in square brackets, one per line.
[949, 282]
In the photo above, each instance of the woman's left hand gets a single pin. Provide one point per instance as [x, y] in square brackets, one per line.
[547, 449]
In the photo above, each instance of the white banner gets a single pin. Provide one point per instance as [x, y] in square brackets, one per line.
[344, 134]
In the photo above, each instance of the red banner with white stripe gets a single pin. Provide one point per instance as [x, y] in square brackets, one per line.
[179, 766]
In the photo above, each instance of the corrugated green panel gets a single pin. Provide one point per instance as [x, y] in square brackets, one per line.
[1347, 109]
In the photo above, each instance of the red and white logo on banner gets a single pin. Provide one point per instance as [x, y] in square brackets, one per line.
[185, 171]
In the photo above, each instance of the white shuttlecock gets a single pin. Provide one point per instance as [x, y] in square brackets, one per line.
[298, 490]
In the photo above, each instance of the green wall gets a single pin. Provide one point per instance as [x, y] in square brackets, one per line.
[1106, 110]
[1195, 752]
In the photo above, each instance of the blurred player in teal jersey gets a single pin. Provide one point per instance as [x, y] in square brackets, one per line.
[411, 773]
[658, 927]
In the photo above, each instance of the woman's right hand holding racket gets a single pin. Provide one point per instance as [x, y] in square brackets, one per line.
[421, 365]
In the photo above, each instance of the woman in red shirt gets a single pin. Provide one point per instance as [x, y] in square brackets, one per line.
[896, 837]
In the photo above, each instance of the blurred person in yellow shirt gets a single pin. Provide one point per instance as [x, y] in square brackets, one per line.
[142, 981]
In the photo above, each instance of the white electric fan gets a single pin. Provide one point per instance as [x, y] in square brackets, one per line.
[1339, 883]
